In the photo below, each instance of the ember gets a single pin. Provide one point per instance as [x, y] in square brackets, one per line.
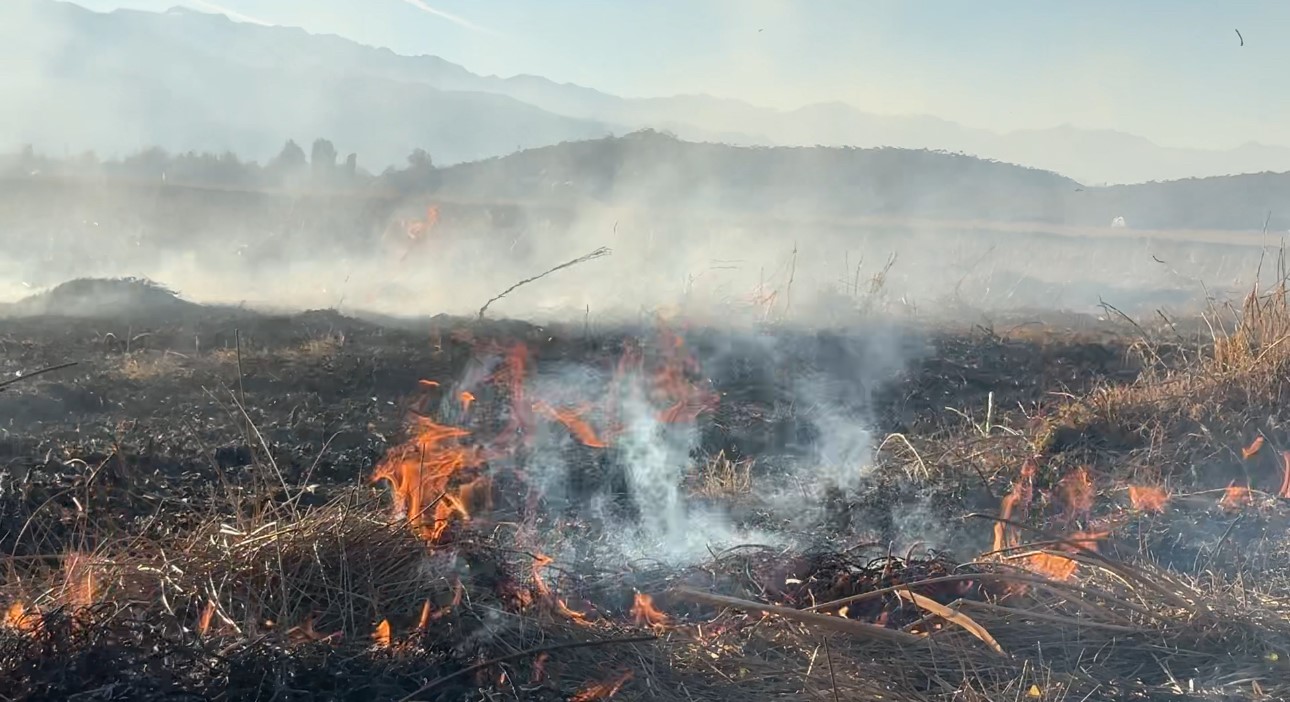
[602, 690]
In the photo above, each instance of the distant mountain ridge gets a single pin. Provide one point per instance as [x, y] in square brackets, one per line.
[187, 80]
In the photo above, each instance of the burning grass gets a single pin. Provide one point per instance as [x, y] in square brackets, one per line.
[1130, 539]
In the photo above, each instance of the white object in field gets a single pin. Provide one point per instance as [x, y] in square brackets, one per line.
[1118, 223]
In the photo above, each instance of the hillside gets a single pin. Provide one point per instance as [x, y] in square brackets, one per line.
[184, 80]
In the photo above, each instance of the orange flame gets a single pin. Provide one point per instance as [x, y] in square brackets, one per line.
[1235, 497]
[420, 473]
[645, 614]
[602, 690]
[204, 621]
[381, 636]
[1052, 565]
[1284, 492]
[1020, 496]
[539, 668]
[1249, 451]
[428, 383]
[1078, 492]
[540, 562]
[78, 580]
[467, 399]
[672, 382]
[18, 618]
[1148, 498]
[307, 633]
[572, 419]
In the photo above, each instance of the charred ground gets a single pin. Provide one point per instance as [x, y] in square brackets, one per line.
[187, 513]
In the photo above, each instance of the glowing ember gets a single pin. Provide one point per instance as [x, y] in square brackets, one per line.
[602, 690]
[1249, 451]
[1235, 497]
[1148, 498]
[645, 614]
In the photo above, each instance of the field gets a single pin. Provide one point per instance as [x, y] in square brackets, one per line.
[214, 503]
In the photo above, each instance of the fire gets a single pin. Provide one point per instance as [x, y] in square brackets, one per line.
[428, 383]
[467, 399]
[381, 636]
[423, 623]
[204, 621]
[1249, 451]
[421, 471]
[1020, 496]
[602, 690]
[307, 633]
[672, 382]
[78, 581]
[18, 618]
[1088, 539]
[1284, 492]
[1052, 565]
[573, 420]
[1148, 498]
[1078, 492]
[1235, 497]
[645, 614]
[540, 562]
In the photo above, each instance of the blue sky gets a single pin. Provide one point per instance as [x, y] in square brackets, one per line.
[1170, 70]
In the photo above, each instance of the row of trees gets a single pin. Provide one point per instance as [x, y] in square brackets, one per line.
[290, 168]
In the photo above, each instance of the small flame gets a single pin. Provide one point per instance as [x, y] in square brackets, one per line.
[1078, 492]
[428, 383]
[602, 690]
[573, 420]
[540, 562]
[307, 633]
[644, 612]
[18, 618]
[539, 668]
[1052, 565]
[420, 473]
[467, 399]
[381, 636]
[204, 621]
[1284, 492]
[1249, 451]
[424, 622]
[1145, 498]
[1020, 496]
[1235, 497]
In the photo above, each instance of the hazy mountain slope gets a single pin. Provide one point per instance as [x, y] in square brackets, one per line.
[284, 77]
[126, 80]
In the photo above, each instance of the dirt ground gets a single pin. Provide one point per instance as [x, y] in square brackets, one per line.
[189, 512]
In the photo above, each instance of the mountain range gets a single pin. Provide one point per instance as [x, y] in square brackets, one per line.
[184, 80]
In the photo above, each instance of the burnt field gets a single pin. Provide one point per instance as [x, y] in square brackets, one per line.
[214, 503]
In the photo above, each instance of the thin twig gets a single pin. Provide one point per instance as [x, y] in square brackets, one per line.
[598, 253]
[6, 383]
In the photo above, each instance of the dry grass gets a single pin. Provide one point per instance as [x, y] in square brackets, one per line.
[720, 476]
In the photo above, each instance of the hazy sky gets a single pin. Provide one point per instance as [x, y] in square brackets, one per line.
[1170, 70]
